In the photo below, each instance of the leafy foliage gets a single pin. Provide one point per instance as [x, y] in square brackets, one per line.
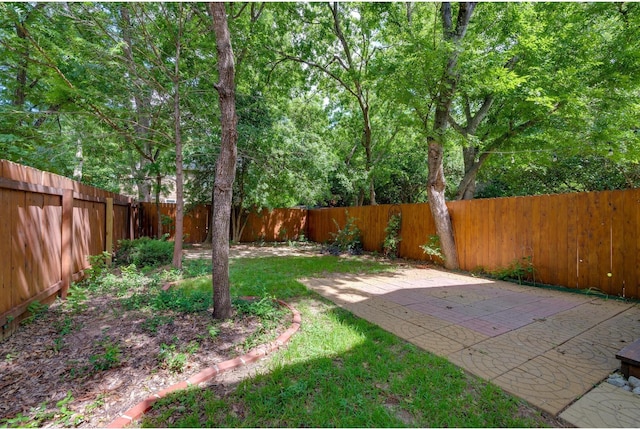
[144, 252]
[432, 248]
[346, 239]
[520, 270]
[87, 91]
[392, 237]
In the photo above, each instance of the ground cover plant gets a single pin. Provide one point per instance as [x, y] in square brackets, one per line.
[118, 337]
[339, 371]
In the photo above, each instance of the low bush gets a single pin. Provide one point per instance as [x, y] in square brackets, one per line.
[347, 239]
[144, 252]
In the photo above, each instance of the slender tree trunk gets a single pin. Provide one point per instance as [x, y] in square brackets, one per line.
[366, 142]
[178, 237]
[437, 204]
[158, 188]
[436, 184]
[225, 165]
[142, 102]
[467, 186]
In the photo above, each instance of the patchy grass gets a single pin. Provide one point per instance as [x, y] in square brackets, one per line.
[339, 370]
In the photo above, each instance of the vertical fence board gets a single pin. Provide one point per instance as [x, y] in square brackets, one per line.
[491, 256]
[470, 246]
[583, 238]
[618, 251]
[526, 228]
[559, 240]
[573, 236]
[6, 232]
[631, 240]
[535, 234]
[20, 268]
[66, 237]
[482, 220]
[546, 240]
[508, 219]
[601, 219]
[34, 203]
[52, 237]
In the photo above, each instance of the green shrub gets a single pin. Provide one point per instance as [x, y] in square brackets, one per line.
[130, 279]
[392, 237]
[265, 308]
[347, 239]
[144, 252]
[196, 268]
[98, 266]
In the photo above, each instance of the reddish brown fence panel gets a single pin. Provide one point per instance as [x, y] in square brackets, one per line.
[275, 225]
[586, 240]
[43, 248]
[196, 221]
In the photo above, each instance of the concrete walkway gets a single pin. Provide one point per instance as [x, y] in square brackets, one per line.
[547, 347]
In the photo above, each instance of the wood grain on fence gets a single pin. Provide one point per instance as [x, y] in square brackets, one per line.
[195, 224]
[582, 240]
[275, 225]
[48, 226]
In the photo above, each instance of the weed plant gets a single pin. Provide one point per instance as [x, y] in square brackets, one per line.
[41, 414]
[36, 310]
[433, 249]
[110, 356]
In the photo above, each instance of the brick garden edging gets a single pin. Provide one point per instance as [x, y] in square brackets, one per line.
[137, 411]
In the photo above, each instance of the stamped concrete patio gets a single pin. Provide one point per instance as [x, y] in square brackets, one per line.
[545, 346]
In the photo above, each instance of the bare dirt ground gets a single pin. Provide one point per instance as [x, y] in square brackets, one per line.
[39, 366]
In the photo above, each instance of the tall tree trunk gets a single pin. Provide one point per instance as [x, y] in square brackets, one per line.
[178, 237]
[225, 165]
[436, 184]
[158, 189]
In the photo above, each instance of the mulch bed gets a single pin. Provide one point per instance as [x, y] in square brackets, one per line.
[39, 366]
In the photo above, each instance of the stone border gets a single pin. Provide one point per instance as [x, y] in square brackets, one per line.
[137, 411]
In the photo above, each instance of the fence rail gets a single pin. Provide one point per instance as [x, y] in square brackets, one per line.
[48, 226]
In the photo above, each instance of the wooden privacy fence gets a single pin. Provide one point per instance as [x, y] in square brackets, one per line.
[580, 240]
[48, 226]
[196, 221]
[266, 225]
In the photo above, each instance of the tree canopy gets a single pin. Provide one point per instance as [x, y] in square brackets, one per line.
[337, 103]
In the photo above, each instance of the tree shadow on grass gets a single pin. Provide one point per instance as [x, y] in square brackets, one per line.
[342, 371]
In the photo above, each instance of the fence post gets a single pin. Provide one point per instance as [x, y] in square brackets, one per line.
[109, 232]
[67, 242]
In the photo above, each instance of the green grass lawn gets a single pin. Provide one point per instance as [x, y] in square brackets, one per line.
[339, 370]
